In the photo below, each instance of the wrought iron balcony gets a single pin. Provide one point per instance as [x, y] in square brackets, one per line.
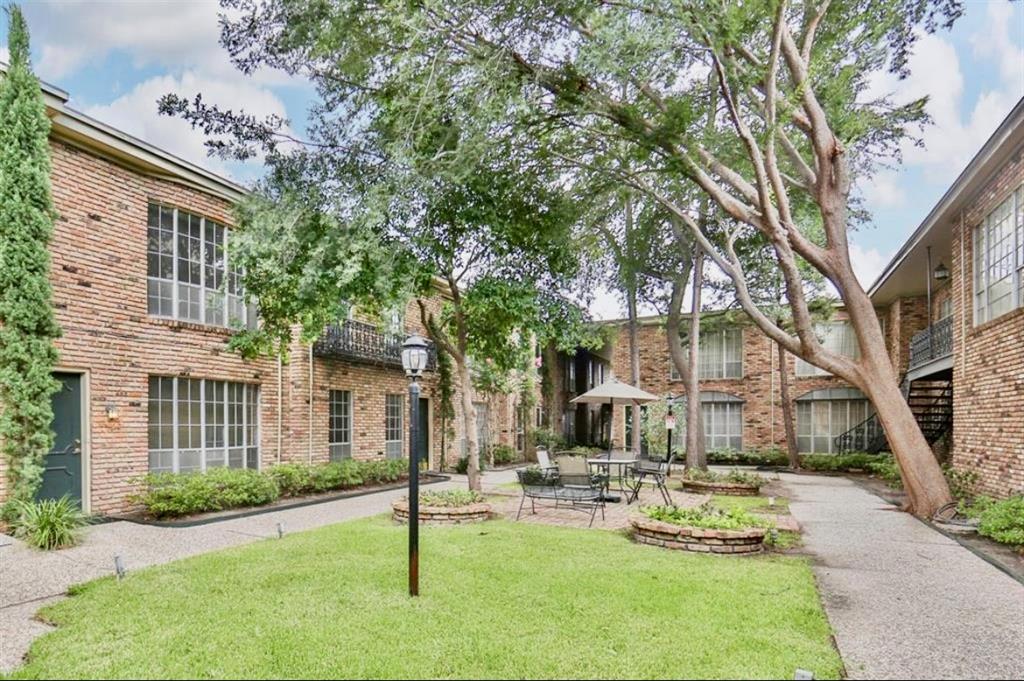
[932, 344]
[365, 343]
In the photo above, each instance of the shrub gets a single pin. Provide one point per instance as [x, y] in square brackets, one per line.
[293, 479]
[706, 516]
[297, 479]
[841, 462]
[462, 465]
[50, 524]
[1003, 521]
[451, 498]
[887, 471]
[171, 495]
[548, 439]
[961, 483]
[771, 456]
[735, 476]
[503, 454]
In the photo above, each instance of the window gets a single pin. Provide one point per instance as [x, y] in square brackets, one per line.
[999, 260]
[722, 415]
[720, 355]
[197, 424]
[824, 415]
[189, 275]
[340, 425]
[946, 308]
[837, 337]
[393, 426]
[395, 321]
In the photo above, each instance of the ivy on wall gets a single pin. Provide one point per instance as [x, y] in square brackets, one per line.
[27, 324]
[447, 399]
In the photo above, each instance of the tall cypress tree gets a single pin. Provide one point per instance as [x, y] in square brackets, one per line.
[27, 324]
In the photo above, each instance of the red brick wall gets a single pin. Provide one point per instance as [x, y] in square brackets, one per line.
[905, 317]
[988, 371]
[763, 424]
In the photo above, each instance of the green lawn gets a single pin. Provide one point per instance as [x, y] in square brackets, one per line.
[759, 503]
[503, 600]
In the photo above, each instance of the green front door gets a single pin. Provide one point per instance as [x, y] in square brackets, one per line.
[63, 474]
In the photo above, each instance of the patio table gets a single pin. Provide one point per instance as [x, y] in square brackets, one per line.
[606, 462]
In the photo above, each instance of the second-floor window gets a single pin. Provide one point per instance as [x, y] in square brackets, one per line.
[189, 274]
[720, 355]
[836, 337]
[999, 260]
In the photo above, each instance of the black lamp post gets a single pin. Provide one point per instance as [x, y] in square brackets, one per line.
[670, 425]
[414, 361]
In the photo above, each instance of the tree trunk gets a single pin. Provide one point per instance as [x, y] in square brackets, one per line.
[469, 421]
[792, 452]
[696, 457]
[673, 327]
[634, 365]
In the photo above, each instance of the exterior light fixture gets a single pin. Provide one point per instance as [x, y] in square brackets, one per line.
[112, 412]
[941, 272]
[414, 361]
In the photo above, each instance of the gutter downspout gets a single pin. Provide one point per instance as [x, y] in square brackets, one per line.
[280, 406]
[309, 450]
[963, 301]
[771, 390]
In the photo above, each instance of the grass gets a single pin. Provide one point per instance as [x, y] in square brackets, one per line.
[501, 600]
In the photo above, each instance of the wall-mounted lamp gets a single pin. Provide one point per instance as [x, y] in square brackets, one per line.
[941, 272]
[112, 412]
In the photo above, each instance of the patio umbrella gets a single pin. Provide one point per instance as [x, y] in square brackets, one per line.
[613, 392]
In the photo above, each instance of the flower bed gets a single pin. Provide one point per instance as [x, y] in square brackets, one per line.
[733, 483]
[451, 507]
[703, 530]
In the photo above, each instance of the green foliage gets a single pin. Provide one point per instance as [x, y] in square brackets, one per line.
[841, 462]
[961, 483]
[462, 465]
[706, 516]
[27, 324]
[735, 476]
[446, 403]
[886, 470]
[769, 456]
[503, 454]
[1003, 521]
[551, 440]
[452, 498]
[49, 524]
[171, 495]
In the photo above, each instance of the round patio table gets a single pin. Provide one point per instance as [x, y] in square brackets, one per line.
[606, 462]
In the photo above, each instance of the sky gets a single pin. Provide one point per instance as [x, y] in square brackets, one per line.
[116, 57]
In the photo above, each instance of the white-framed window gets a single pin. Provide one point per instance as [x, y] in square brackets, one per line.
[196, 424]
[189, 276]
[824, 415]
[393, 418]
[722, 415]
[395, 321]
[999, 260]
[340, 425]
[720, 355]
[945, 308]
[836, 337]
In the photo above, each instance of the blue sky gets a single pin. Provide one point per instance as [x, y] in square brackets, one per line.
[115, 58]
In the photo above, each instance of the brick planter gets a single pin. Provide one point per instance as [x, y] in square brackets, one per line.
[442, 515]
[726, 542]
[734, 489]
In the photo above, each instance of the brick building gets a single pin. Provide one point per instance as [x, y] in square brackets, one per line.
[146, 298]
[954, 297]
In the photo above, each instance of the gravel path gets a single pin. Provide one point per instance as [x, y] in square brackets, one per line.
[905, 601]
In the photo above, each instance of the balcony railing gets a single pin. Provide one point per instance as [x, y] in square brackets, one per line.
[932, 344]
[365, 343]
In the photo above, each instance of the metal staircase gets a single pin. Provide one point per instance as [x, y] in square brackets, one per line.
[931, 401]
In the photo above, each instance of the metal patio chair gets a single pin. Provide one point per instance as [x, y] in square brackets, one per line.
[654, 469]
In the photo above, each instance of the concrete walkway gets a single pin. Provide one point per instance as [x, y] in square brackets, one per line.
[905, 601]
[30, 579]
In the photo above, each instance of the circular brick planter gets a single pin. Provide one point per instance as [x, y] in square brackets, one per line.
[699, 540]
[442, 515]
[734, 489]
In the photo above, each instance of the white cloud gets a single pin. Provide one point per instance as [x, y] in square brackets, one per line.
[884, 189]
[996, 43]
[867, 263]
[136, 112]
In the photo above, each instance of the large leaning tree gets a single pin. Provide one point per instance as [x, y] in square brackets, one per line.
[791, 122]
[27, 325]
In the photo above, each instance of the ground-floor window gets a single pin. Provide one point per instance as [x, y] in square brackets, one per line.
[393, 426]
[723, 424]
[196, 424]
[824, 415]
[340, 425]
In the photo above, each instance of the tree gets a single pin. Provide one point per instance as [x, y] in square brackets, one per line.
[580, 83]
[27, 324]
